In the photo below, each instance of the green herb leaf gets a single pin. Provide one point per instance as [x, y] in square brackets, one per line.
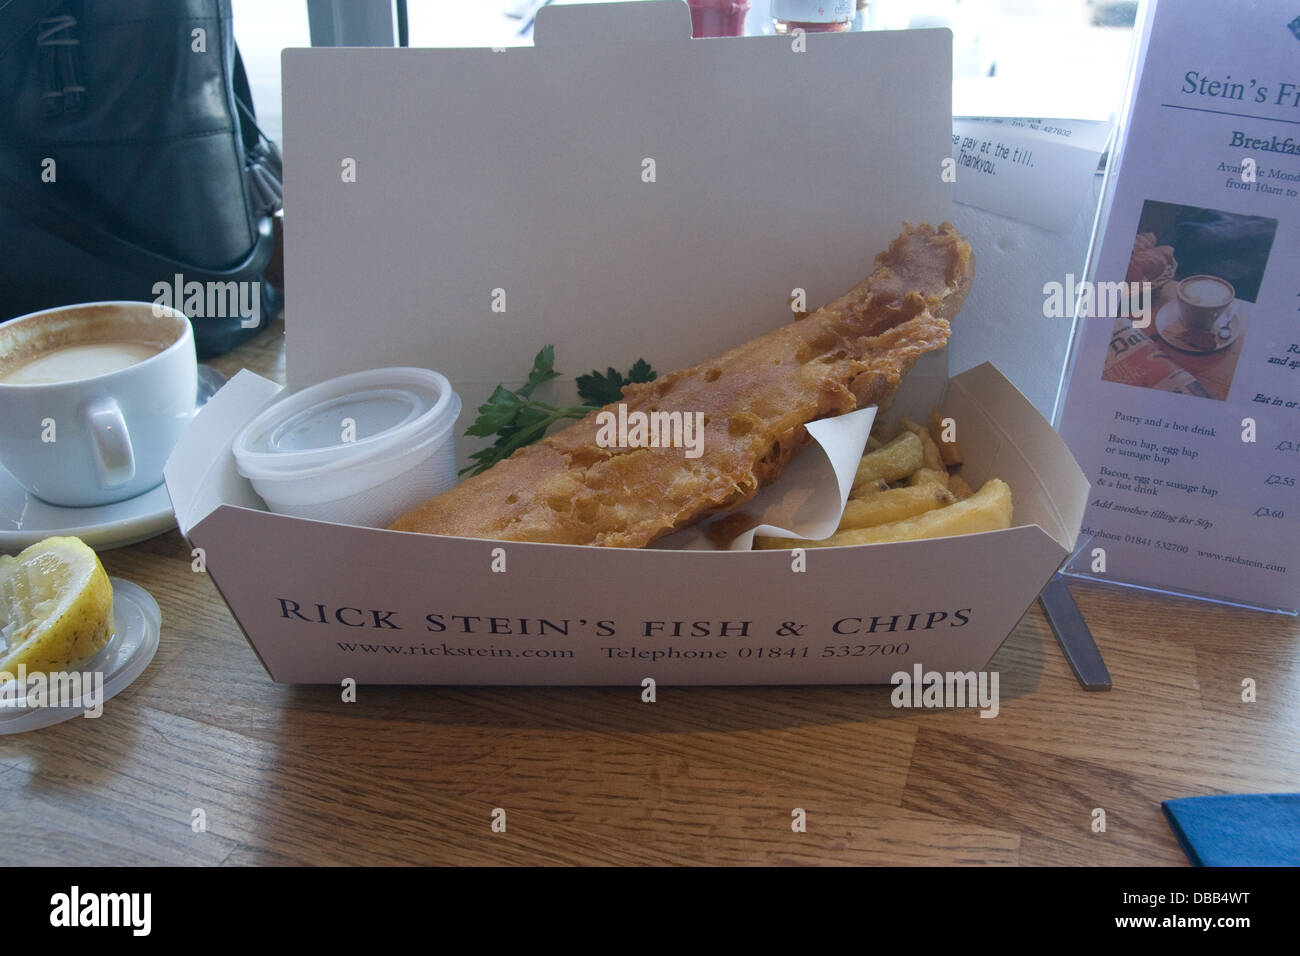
[517, 419]
[543, 370]
[601, 390]
[641, 372]
[497, 413]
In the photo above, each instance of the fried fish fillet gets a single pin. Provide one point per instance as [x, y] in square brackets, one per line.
[755, 401]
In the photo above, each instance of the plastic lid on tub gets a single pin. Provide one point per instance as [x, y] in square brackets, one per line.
[345, 421]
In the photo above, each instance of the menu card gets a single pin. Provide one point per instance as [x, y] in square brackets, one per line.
[1183, 402]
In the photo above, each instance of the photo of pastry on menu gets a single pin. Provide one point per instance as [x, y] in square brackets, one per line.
[1203, 267]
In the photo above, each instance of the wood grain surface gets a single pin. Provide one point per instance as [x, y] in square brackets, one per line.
[412, 775]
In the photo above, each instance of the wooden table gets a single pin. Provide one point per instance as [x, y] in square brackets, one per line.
[593, 775]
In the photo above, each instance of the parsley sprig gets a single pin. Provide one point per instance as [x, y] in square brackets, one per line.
[518, 419]
[601, 390]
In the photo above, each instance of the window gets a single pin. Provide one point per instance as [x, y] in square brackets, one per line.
[262, 29]
[1059, 58]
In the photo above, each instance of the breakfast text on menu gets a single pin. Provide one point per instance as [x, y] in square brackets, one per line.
[1183, 402]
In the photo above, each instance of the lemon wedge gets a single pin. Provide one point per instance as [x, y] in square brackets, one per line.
[56, 606]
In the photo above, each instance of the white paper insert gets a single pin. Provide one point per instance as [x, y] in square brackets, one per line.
[808, 500]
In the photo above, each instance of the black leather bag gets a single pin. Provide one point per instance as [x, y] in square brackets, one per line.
[130, 156]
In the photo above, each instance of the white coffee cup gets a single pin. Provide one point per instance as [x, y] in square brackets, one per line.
[1202, 300]
[93, 398]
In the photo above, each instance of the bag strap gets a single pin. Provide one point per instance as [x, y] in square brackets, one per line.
[17, 17]
[88, 236]
[263, 164]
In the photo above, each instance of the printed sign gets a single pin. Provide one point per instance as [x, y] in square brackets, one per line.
[1183, 406]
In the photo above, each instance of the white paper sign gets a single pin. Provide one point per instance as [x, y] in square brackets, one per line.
[1187, 420]
[1032, 170]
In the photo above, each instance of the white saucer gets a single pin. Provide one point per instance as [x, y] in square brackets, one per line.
[25, 519]
[1170, 327]
[137, 623]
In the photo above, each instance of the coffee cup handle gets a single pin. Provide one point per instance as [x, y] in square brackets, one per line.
[114, 457]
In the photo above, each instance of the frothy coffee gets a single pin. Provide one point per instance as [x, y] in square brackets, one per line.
[1206, 291]
[68, 345]
[75, 362]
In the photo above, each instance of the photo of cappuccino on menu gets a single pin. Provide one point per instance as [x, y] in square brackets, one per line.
[1202, 301]
[1205, 268]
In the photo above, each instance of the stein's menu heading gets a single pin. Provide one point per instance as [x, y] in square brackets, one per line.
[1279, 93]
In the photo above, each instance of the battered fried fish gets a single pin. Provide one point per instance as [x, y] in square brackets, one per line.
[755, 400]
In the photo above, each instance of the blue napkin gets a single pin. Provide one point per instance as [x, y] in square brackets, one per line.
[1252, 829]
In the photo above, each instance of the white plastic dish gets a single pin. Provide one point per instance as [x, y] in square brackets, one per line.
[137, 623]
[358, 449]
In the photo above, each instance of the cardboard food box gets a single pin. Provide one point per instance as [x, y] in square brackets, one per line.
[626, 192]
